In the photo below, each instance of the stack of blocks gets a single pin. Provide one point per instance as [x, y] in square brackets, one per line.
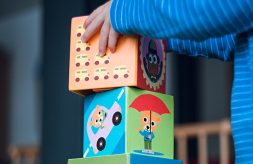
[127, 117]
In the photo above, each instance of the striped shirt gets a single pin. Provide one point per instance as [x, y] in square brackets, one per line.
[207, 28]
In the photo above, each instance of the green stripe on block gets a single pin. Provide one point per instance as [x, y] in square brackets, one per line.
[112, 159]
[124, 159]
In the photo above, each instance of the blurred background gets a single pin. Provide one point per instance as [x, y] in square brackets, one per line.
[41, 120]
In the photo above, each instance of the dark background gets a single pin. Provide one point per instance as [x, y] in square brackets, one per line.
[63, 118]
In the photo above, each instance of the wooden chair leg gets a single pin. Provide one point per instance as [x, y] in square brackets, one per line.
[15, 160]
[224, 145]
[182, 149]
[31, 161]
[202, 149]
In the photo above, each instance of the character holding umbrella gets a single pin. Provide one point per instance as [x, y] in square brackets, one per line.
[151, 108]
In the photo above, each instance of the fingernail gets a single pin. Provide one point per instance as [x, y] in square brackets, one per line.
[101, 54]
[83, 39]
[112, 50]
[84, 25]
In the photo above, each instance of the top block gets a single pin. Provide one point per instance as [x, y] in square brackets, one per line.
[138, 61]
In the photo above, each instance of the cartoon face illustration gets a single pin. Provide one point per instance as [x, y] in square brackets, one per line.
[82, 74]
[80, 30]
[104, 119]
[120, 71]
[98, 118]
[101, 73]
[82, 60]
[153, 63]
[101, 60]
[80, 46]
[149, 121]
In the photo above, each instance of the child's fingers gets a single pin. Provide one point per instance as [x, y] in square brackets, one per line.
[113, 39]
[104, 34]
[90, 19]
[94, 14]
[93, 28]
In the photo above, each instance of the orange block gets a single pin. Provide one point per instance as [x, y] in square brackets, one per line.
[138, 61]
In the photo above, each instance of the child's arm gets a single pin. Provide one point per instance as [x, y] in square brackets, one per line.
[195, 20]
[192, 19]
[163, 18]
[221, 48]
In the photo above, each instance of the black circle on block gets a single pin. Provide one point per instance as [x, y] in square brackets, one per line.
[101, 144]
[116, 119]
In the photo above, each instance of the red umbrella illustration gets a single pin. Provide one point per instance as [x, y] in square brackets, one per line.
[148, 102]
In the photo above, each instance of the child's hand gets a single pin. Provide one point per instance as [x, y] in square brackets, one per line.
[99, 19]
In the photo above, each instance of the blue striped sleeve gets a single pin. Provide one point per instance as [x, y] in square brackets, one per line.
[221, 48]
[181, 19]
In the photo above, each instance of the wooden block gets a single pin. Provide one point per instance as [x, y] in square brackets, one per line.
[138, 61]
[128, 120]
